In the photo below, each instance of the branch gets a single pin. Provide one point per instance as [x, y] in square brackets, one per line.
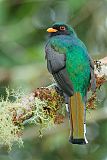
[101, 67]
[44, 107]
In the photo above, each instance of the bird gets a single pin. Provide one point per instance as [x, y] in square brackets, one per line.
[72, 68]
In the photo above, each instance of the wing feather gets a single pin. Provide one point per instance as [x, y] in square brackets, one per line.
[56, 64]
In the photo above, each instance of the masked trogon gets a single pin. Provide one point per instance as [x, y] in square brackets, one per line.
[73, 70]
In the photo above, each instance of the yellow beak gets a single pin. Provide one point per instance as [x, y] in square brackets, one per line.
[51, 30]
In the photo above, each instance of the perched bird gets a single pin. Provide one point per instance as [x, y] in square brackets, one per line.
[73, 70]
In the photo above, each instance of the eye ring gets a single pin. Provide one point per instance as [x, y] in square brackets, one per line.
[62, 28]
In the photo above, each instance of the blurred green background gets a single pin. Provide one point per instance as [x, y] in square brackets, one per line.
[23, 25]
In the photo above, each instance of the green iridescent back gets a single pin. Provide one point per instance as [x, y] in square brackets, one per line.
[77, 61]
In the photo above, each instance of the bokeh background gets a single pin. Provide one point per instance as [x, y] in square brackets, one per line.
[23, 25]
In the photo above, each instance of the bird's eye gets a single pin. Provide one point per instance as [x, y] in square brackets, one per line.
[62, 28]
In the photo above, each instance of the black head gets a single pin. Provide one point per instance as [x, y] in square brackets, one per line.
[60, 29]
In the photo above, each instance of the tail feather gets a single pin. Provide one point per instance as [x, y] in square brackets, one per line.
[77, 111]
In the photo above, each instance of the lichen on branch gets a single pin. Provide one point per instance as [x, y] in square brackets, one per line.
[43, 107]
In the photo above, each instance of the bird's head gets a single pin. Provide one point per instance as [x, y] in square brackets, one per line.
[60, 29]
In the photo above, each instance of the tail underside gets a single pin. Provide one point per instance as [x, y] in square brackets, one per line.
[77, 120]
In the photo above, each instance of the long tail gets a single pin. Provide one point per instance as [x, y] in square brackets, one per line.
[77, 120]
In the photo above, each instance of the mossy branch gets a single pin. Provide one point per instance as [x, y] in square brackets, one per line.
[43, 107]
